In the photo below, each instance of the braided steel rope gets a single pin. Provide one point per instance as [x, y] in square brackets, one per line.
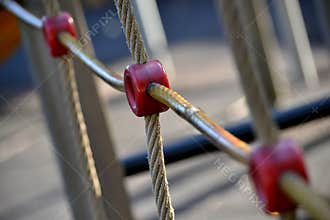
[73, 99]
[152, 123]
[79, 125]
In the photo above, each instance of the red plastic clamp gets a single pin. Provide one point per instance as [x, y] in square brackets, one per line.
[267, 164]
[52, 26]
[137, 77]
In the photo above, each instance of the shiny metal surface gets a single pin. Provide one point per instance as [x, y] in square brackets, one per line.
[112, 78]
[221, 138]
[21, 13]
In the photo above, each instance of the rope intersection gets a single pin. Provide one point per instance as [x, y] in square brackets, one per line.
[78, 123]
[291, 184]
[152, 123]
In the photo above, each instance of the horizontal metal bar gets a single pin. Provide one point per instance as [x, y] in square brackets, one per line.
[74, 45]
[222, 139]
[197, 145]
[21, 13]
[114, 79]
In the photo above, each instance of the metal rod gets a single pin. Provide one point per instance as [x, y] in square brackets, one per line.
[74, 45]
[221, 138]
[297, 189]
[112, 78]
[198, 144]
[21, 13]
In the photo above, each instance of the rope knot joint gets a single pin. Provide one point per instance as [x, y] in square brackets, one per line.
[52, 26]
[137, 77]
[267, 165]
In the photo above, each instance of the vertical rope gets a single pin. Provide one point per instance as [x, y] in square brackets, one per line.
[52, 7]
[266, 128]
[152, 124]
[79, 125]
[260, 40]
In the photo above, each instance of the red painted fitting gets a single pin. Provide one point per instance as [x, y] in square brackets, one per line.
[137, 77]
[52, 26]
[267, 164]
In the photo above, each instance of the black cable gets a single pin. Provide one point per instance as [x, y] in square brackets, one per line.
[198, 144]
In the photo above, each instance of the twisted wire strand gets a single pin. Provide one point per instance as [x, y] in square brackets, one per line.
[152, 124]
[79, 125]
[131, 30]
[73, 98]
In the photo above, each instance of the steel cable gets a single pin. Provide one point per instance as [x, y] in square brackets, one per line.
[152, 123]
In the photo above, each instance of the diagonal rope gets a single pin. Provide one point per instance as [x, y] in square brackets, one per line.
[152, 124]
[79, 125]
[265, 127]
[52, 7]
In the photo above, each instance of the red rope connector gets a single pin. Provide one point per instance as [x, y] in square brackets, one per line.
[137, 77]
[52, 26]
[267, 165]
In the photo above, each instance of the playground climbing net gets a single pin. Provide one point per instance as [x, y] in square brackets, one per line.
[281, 181]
